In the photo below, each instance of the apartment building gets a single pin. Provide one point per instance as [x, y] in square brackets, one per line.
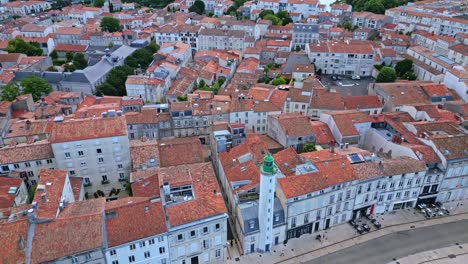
[452, 152]
[303, 34]
[370, 20]
[96, 149]
[26, 160]
[321, 197]
[304, 7]
[291, 130]
[387, 185]
[195, 213]
[428, 66]
[27, 8]
[136, 231]
[210, 39]
[178, 33]
[149, 123]
[349, 126]
[150, 89]
[345, 58]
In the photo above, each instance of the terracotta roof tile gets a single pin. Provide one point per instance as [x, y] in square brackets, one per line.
[141, 151]
[12, 234]
[207, 201]
[133, 220]
[180, 151]
[287, 160]
[39, 150]
[294, 124]
[6, 199]
[51, 184]
[362, 102]
[345, 121]
[83, 129]
[388, 167]
[59, 238]
[322, 132]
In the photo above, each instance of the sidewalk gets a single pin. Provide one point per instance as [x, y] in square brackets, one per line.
[342, 236]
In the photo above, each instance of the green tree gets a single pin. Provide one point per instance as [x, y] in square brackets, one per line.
[182, 98]
[54, 55]
[35, 86]
[403, 67]
[279, 81]
[69, 67]
[411, 76]
[152, 47]
[274, 19]
[21, 46]
[106, 89]
[110, 24]
[51, 69]
[265, 13]
[387, 74]
[375, 6]
[348, 25]
[98, 3]
[69, 56]
[210, 14]
[198, 7]
[79, 61]
[309, 147]
[11, 91]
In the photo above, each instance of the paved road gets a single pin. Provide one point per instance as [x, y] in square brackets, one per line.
[400, 244]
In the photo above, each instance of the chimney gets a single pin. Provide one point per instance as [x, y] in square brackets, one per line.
[332, 146]
[28, 124]
[44, 197]
[166, 188]
[381, 167]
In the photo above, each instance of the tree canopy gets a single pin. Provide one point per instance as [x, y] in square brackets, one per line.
[198, 7]
[115, 82]
[279, 80]
[110, 24]
[21, 46]
[403, 67]
[387, 74]
[375, 6]
[98, 3]
[33, 85]
[280, 18]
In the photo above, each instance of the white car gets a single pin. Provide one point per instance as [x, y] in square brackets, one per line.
[356, 77]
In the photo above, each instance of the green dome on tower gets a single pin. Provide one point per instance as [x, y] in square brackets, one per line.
[268, 163]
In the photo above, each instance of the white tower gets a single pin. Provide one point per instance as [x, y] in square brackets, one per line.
[268, 173]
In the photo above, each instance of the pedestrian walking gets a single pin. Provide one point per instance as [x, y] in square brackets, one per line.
[232, 243]
[282, 252]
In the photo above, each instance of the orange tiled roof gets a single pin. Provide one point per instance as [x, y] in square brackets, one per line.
[39, 150]
[322, 132]
[294, 124]
[134, 219]
[53, 182]
[11, 233]
[207, 201]
[362, 102]
[180, 151]
[59, 238]
[83, 129]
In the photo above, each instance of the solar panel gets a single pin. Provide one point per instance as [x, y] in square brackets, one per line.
[355, 158]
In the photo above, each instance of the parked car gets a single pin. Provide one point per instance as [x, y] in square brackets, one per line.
[359, 229]
[334, 78]
[366, 227]
[356, 77]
